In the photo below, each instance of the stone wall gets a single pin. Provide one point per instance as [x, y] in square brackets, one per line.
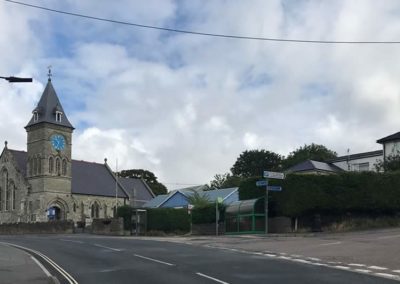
[114, 226]
[208, 229]
[56, 227]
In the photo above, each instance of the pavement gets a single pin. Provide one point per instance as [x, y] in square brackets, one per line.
[16, 266]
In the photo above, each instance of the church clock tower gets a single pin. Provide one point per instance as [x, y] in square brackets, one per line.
[49, 146]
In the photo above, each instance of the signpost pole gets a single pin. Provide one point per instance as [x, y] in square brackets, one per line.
[266, 206]
[216, 217]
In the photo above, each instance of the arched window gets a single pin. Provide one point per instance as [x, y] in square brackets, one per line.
[64, 167]
[74, 207]
[5, 188]
[105, 210]
[95, 210]
[39, 165]
[58, 166]
[35, 166]
[51, 165]
[13, 200]
[30, 166]
[1, 199]
[8, 198]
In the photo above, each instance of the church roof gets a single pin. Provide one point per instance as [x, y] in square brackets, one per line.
[47, 107]
[93, 179]
[138, 188]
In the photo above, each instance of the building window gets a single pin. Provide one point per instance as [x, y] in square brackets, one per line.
[74, 207]
[363, 167]
[1, 199]
[51, 165]
[13, 196]
[34, 166]
[8, 198]
[5, 187]
[64, 167]
[58, 166]
[30, 166]
[39, 165]
[58, 116]
[35, 116]
[105, 210]
[95, 210]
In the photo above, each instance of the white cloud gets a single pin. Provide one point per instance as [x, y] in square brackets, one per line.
[186, 106]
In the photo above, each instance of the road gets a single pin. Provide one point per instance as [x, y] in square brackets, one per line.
[98, 259]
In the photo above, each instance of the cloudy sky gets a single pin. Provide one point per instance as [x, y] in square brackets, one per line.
[185, 106]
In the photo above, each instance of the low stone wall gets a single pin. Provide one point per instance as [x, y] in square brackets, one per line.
[113, 227]
[52, 227]
[279, 225]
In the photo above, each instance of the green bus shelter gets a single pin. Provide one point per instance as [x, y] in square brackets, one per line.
[245, 217]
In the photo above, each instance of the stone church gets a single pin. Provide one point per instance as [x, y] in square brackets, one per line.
[44, 183]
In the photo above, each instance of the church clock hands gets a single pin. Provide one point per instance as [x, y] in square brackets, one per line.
[58, 142]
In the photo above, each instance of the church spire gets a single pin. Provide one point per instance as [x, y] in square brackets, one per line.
[49, 108]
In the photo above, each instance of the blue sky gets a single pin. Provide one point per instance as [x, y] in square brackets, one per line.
[186, 106]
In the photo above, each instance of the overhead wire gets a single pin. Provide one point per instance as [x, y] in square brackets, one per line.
[209, 34]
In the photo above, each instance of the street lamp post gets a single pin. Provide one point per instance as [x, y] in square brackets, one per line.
[13, 79]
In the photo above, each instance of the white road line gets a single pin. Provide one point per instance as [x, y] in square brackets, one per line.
[387, 275]
[155, 260]
[41, 266]
[357, 264]
[67, 276]
[342, 267]
[377, 267]
[396, 271]
[100, 246]
[211, 278]
[363, 270]
[330, 244]
[72, 241]
[313, 258]
[270, 255]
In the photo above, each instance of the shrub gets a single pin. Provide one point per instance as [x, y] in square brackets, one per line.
[168, 220]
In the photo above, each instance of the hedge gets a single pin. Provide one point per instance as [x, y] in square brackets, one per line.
[125, 212]
[206, 215]
[168, 220]
[365, 192]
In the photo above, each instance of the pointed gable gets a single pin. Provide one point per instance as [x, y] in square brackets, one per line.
[49, 109]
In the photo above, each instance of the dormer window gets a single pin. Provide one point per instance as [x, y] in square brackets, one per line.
[35, 116]
[58, 116]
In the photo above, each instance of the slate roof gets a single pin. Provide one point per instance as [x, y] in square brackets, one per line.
[357, 156]
[311, 165]
[224, 193]
[392, 137]
[93, 179]
[47, 106]
[143, 192]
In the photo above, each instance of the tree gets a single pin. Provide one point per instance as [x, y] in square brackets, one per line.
[252, 163]
[225, 180]
[309, 152]
[149, 177]
[390, 164]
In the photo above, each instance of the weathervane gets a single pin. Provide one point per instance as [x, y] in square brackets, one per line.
[49, 73]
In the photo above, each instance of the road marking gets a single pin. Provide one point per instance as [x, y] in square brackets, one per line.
[377, 267]
[67, 276]
[396, 271]
[387, 275]
[342, 267]
[270, 255]
[330, 244]
[363, 270]
[211, 278]
[155, 260]
[357, 264]
[41, 266]
[313, 258]
[100, 246]
[72, 241]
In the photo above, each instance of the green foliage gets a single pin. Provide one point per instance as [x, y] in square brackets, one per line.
[350, 192]
[168, 220]
[198, 200]
[149, 177]
[252, 163]
[309, 152]
[225, 181]
[206, 214]
[390, 164]
[125, 212]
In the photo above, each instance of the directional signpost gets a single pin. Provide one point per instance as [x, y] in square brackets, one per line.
[261, 183]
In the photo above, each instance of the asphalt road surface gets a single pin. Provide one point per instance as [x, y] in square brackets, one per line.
[97, 259]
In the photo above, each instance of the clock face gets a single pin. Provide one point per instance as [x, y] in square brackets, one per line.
[58, 142]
